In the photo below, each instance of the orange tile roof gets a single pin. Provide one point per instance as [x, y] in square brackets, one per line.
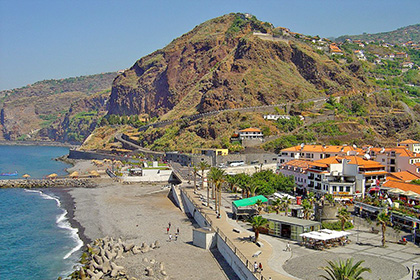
[251, 129]
[361, 162]
[404, 176]
[402, 186]
[297, 163]
[409, 141]
[323, 149]
[401, 150]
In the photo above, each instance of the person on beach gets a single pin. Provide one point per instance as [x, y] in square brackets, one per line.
[260, 267]
[176, 236]
[167, 230]
[170, 237]
[169, 225]
[255, 267]
[177, 230]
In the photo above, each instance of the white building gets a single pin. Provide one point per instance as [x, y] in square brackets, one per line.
[250, 133]
[297, 169]
[344, 177]
[316, 152]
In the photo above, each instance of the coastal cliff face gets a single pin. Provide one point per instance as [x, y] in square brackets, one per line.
[40, 111]
[223, 63]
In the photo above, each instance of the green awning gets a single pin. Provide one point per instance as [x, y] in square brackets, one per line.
[249, 201]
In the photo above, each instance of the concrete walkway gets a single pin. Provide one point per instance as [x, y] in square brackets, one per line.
[240, 240]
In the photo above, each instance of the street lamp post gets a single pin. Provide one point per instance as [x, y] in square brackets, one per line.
[412, 270]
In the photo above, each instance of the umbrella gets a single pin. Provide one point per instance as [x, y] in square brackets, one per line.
[94, 173]
[74, 174]
[396, 191]
[51, 176]
[26, 176]
[410, 193]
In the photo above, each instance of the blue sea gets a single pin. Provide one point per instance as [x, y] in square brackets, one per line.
[37, 241]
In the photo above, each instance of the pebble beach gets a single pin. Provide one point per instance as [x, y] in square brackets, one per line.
[140, 213]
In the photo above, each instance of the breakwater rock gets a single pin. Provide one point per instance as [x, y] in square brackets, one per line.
[101, 257]
[48, 183]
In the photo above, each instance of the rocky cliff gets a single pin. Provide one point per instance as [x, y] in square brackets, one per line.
[227, 62]
[42, 110]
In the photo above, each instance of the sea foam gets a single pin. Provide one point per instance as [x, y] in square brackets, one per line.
[63, 222]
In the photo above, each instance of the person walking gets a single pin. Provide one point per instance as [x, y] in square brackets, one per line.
[176, 236]
[170, 237]
[288, 249]
[169, 225]
[167, 230]
[255, 267]
[260, 267]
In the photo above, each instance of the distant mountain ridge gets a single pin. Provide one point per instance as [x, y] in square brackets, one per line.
[37, 110]
[399, 36]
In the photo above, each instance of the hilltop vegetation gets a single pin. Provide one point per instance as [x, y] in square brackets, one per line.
[395, 37]
[372, 88]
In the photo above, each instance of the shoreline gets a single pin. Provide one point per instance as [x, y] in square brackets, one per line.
[37, 143]
[68, 204]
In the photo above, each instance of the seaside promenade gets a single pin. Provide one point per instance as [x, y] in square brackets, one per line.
[239, 242]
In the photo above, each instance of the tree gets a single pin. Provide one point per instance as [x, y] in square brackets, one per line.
[307, 208]
[259, 205]
[217, 177]
[276, 205]
[343, 216]
[344, 270]
[383, 220]
[253, 187]
[257, 223]
[203, 166]
[285, 202]
[233, 182]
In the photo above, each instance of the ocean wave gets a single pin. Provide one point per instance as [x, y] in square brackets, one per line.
[46, 196]
[63, 223]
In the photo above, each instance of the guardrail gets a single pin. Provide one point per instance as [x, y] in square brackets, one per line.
[248, 264]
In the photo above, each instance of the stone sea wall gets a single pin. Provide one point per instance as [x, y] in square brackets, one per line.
[47, 183]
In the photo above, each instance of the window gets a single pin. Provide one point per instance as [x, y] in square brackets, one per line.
[341, 188]
[334, 188]
[292, 154]
[347, 189]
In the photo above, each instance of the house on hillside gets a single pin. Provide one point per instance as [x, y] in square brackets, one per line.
[250, 133]
[335, 50]
[412, 145]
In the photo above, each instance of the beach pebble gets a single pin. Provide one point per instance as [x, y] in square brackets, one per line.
[149, 271]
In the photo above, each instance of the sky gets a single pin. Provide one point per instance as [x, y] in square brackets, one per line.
[53, 39]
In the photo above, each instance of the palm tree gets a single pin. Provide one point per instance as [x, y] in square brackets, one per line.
[217, 177]
[203, 166]
[343, 216]
[344, 270]
[257, 223]
[195, 171]
[276, 205]
[383, 220]
[286, 201]
[259, 205]
[253, 187]
[233, 182]
[307, 208]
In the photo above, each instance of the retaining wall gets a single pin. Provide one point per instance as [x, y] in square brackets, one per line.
[219, 241]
